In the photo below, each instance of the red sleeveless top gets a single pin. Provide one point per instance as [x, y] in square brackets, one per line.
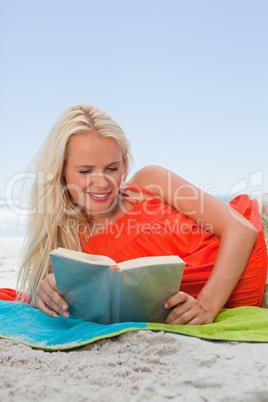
[152, 228]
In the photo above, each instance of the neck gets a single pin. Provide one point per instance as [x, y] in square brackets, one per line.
[99, 221]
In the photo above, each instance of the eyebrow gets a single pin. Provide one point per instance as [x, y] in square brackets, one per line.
[92, 166]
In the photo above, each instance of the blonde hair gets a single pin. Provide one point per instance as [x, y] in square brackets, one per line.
[49, 225]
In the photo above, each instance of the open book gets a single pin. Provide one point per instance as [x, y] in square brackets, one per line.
[99, 290]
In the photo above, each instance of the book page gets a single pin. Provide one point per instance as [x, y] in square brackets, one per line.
[147, 261]
[84, 257]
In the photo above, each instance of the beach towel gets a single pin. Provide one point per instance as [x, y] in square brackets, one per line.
[22, 323]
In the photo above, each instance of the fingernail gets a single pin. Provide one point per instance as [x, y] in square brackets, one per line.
[64, 307]
[166, 305]
[66, 315]
[54, 315]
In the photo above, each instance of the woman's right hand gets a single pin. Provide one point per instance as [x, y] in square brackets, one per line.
[48, 300]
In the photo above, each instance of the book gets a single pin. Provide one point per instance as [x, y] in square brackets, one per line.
[98, 289]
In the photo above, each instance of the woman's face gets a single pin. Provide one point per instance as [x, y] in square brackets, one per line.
[93, 172]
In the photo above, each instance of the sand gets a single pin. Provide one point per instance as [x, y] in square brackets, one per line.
[136, 366]
[10, 253]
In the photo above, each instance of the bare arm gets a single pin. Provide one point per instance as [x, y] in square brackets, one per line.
[237, 236]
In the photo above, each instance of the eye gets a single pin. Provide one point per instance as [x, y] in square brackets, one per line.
[112, 169]
[85, 171]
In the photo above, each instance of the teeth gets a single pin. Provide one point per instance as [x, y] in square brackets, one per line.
[99, 195]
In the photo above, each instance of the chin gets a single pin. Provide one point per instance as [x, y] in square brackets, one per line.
[99, 208]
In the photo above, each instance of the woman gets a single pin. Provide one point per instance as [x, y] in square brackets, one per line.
[82, 203]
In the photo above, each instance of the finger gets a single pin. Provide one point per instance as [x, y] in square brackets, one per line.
[200, 320]
[43, 307]
[178, 298]
[52, 281]
[45, 290]
[48, 306]
[176, 313]
[184, 311]
[176, 318]
[195, 321]
[53, 301]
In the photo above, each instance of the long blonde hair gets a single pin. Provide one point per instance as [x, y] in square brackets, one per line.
[55, 219]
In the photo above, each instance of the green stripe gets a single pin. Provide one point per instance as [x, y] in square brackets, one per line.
[241, 324]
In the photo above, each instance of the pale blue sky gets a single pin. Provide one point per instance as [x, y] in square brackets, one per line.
[187, 81]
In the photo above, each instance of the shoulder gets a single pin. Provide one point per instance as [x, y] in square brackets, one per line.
[149, 181]
[149, 175]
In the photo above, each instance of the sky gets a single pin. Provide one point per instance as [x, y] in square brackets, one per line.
[186, 80]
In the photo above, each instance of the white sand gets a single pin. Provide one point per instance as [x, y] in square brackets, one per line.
[10, 249]
[137, 366]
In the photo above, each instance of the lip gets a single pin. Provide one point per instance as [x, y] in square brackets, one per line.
[99, 197]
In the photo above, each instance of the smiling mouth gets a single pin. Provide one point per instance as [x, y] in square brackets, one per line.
[98, 196]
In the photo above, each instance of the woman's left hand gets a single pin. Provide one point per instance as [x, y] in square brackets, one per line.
[187, 311]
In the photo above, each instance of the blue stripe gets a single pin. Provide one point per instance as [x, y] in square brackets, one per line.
[25, 324]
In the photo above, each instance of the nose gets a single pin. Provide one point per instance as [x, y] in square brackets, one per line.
[100, 181]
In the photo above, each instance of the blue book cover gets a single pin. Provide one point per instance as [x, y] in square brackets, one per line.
[99, 290]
